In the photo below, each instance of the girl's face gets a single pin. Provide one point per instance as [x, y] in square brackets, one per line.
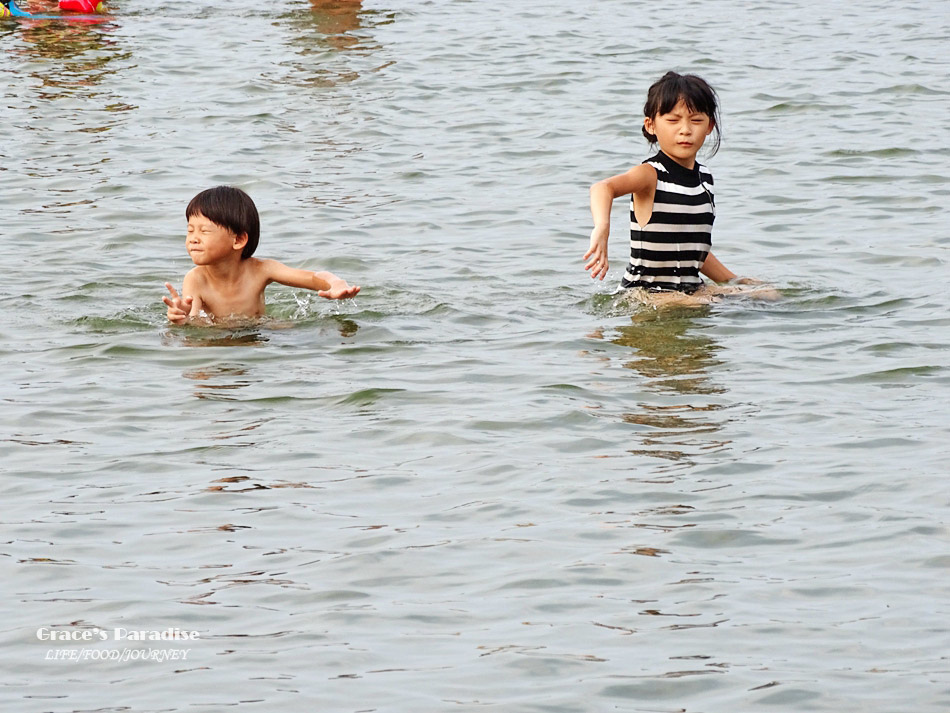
[680, 132]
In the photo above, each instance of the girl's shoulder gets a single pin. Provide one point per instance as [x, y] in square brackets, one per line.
[647, 168]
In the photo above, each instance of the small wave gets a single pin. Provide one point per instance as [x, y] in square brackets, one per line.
[128, 319]
[874, 153]
[796, 107]
[909, 89]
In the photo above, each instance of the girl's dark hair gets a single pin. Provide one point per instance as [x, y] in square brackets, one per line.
[667, 92]
[230, 208]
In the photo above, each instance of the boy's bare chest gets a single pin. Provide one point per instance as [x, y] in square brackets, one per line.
[243, 297]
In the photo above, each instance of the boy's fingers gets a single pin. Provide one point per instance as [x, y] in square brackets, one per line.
[172, 290]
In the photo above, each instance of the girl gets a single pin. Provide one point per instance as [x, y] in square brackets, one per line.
[672, 207]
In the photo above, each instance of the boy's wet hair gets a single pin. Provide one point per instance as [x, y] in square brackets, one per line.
[230, 208]
[668, 90]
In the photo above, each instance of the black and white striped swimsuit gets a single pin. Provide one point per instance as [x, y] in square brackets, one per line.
[667, 252]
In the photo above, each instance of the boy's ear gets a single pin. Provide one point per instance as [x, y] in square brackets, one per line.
[239, 241]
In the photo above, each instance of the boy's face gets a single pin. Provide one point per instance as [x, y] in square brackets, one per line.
[208, 243]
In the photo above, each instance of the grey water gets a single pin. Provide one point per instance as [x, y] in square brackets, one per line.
[487, 483]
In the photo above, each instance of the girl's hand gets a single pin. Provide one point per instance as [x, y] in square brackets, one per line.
[597, 252]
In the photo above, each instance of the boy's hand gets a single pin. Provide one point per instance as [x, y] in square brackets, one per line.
[339, 290]
[179, 308]
[597, 252]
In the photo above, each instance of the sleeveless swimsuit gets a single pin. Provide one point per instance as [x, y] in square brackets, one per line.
[667, 252]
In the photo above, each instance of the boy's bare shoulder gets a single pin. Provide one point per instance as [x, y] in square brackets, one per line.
[193, 276]
[265, 267]
[263, 263]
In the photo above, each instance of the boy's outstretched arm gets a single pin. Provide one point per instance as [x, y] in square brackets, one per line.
[336, 287]
[326, 284]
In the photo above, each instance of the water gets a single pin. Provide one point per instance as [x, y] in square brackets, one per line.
[486, 483]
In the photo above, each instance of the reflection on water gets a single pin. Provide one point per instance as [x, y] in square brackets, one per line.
[329, 33]
[459, 482]
[68, 105]
[244, 332]
[244, 484]
[81, 54]
[671, 351]
[333, 45]
[216, 382]
[346, 326]
[675, 356]
[676, 432]
[213, 337]
[336, 20]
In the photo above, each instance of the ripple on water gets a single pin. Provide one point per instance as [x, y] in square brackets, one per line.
[484, 482]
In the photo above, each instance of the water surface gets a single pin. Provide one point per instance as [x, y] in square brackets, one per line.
[486, 483]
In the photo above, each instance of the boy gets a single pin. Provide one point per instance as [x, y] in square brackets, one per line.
[223, 232]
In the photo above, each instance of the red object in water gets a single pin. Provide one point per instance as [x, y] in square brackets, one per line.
[85, 6]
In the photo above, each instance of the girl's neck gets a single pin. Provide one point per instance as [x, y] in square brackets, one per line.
[690, 166]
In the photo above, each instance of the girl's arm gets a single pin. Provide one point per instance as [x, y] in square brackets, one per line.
[325, 283]
[639, 180]
[715, 270]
